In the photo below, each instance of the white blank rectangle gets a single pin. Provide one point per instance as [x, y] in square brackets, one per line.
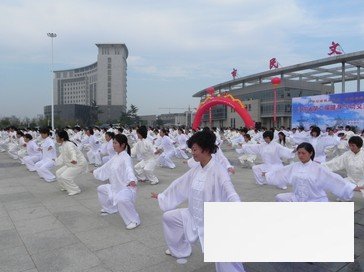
[279, 232]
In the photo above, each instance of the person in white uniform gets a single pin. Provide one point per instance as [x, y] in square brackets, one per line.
[309, 179]
[271, 153]
[119, 195]
[144, 149]
[247, 160]
[72, 163]
[46, 164]
[218, 156]
[107, 149]
[93, 155]
[34, 154]
[166, 150]
[18, 148]
[351, 161]
[319, 143]
[181, 140]
[207, 182]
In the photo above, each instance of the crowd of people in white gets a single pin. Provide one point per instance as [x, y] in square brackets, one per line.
[304, 159]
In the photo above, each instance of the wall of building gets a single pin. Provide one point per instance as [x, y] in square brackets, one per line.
[101, 84]
[259, 99]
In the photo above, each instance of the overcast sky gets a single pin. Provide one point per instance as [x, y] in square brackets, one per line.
[176, 48]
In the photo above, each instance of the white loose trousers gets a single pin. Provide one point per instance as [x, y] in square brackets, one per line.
[44, 167]
[66, 176]
[123, 202]
[180, 247]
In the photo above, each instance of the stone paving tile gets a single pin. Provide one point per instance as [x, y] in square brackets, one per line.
[48, 240]
[3, 211]
[15, 259]
[176, 267]
[22, 203]
[357, 266]
[7, 190]
[359, 219]
[91, 204]
[151, 236]
[6, 223]
[73, 258]
[82, 222]
[98, 268]
[6, 198]
[131, 256]
[331, 266]
[9, 239]
[285, 267]
[359, 248]
[359, 231]
[38, 225]
[56, 200]
[104, 237]
[28, 213]
[70, 211]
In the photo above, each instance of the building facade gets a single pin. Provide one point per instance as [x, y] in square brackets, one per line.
[101, 85]
[256, 91]
[259, 102]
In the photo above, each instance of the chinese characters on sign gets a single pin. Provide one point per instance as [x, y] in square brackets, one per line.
[234, 73]
[273, 63]
[335, 49]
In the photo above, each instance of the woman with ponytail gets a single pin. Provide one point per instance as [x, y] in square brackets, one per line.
[73, 163]
[309, 179]
[119, 194]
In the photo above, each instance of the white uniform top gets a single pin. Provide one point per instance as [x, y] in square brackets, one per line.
[319, 144]
[32, 149]
[208, 184]
[144, 150]
[167, 144]
[110, 148]
[310, 181]
[352, 163]
[48, 149]
[119, 171]
[94, 142]
[271, 154]
[69, 152]
[182, 141]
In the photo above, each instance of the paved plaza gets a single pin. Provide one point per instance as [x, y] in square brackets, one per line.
[42, 229]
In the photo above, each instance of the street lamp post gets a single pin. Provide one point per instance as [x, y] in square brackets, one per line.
[52, 35]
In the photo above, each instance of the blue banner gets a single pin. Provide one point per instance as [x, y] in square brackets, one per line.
[329, 110]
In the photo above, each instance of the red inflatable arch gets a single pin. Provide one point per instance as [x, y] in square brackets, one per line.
[227, 100]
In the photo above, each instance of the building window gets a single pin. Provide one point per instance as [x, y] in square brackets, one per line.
[108, 60]
[232, 122]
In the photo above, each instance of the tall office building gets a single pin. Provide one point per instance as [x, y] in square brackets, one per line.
[100, 87]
